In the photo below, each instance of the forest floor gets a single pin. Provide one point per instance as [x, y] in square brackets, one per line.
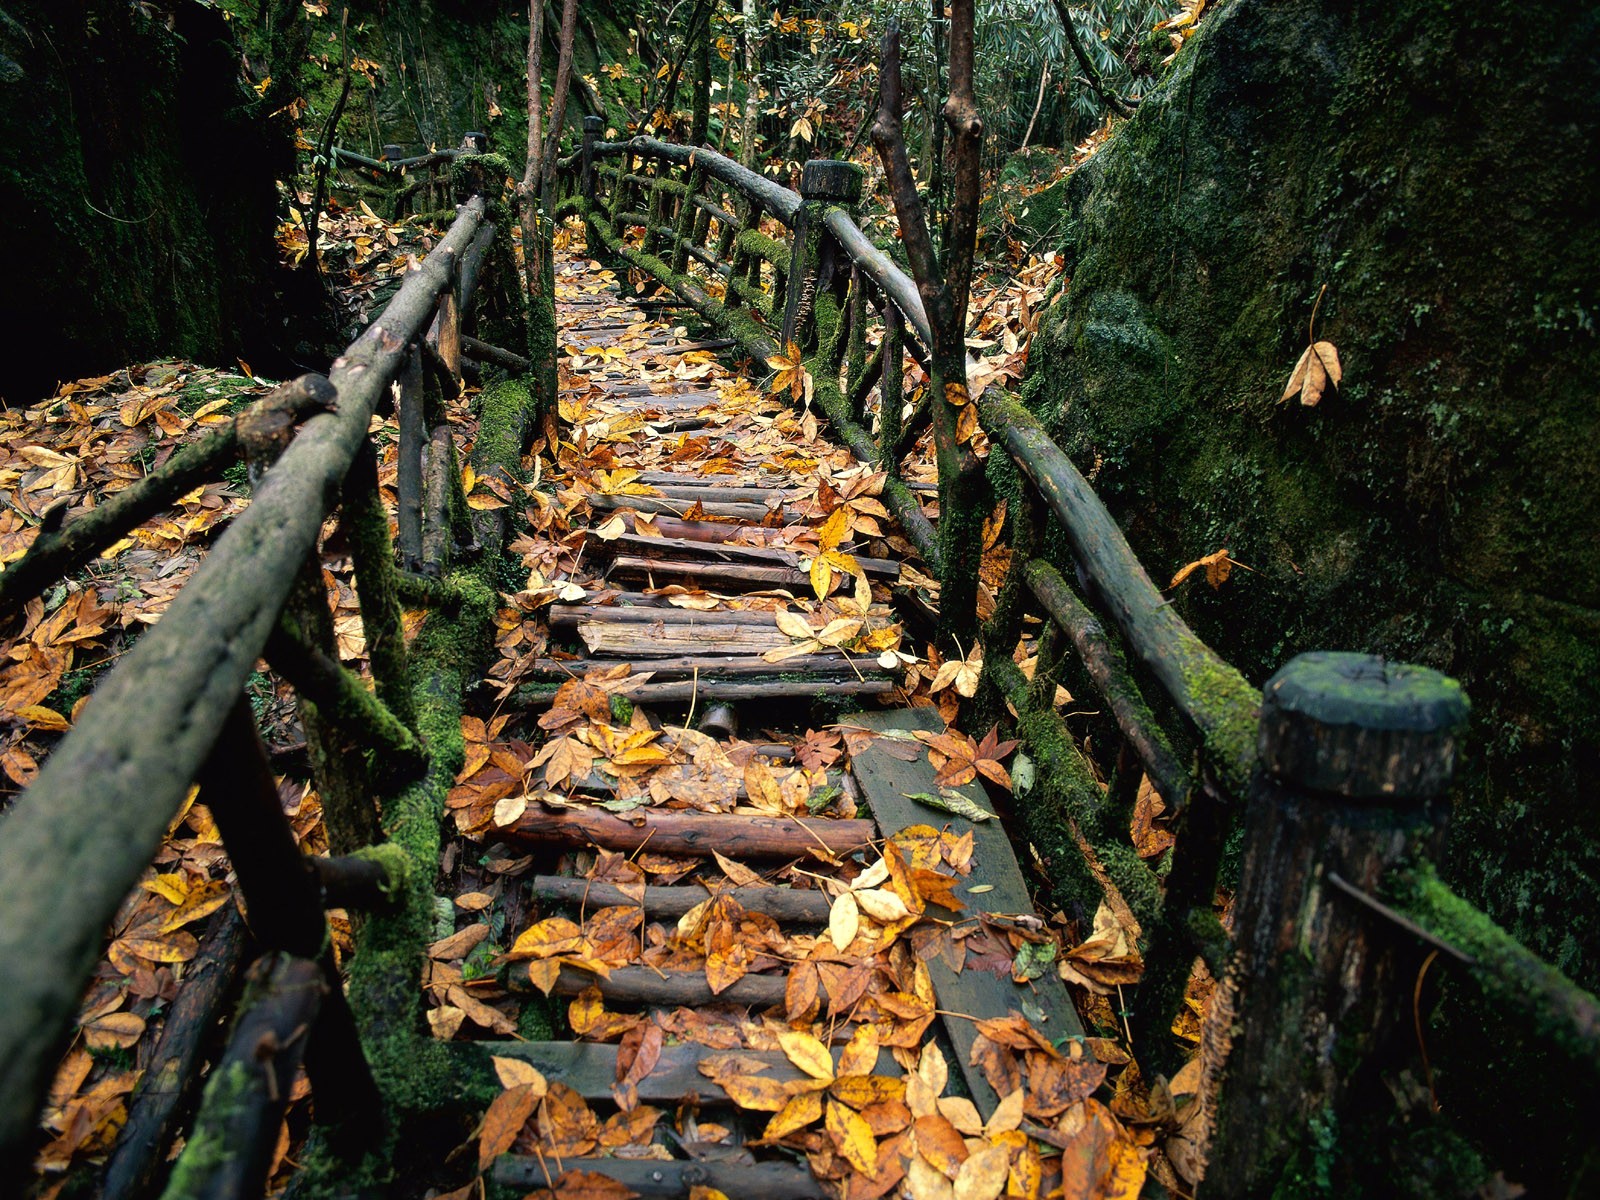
[552, 734]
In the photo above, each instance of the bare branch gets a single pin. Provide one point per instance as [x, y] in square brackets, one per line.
[1092, 77]
[558, 102]
[530, 176]
[966, 127]
[888, 136]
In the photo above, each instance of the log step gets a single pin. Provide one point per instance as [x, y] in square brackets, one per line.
[590, 1068]
[722, 552]
[665, 639]
[651, 1179]
[779, 903]
[734, 510]
[628, 612]
[693, 833]
[684, 690]
[830, 664]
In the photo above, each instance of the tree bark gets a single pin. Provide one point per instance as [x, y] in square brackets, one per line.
[693, 832]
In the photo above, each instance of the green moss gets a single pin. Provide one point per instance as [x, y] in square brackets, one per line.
[1518, 980]
[502, 423]
[209, 1145]
[1227, 709]
[762, 246]
[237, 390]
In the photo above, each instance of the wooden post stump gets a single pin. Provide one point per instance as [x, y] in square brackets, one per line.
[592, 129]
[1356, 756]
[824, 182]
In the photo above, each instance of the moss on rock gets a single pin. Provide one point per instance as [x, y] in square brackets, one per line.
[1438, 508]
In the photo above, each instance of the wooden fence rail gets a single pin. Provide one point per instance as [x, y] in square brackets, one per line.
[772, 269]
[172, 713]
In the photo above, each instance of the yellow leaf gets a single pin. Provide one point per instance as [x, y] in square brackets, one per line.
[844, 920]
[553, 935]
[853, 1136]
[513, 1072]
[832, 532]
[882, 905]
[955, 395]
[201, 901]
[120, 1030]
[797, 1114]
[821, 577]
[860, 1054]
[859, 1091]
[792, 624]
[755, 1092]
[807, 1053]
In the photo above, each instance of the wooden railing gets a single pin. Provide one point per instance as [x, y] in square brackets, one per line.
[173, 713]
[405, 183]
[1337, 772]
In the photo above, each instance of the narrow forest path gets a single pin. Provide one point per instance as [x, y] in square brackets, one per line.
[789, 954]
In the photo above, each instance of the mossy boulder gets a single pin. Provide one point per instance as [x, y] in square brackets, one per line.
[137, 175]
[1429, 166]
[1026, 201]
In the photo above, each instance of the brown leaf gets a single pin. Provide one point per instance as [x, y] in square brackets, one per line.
[637, 1056]
[503, 1122]
[939, 1142]
[1317, 366]
[585, 1185]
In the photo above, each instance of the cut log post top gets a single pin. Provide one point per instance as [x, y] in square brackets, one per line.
[1359, 727]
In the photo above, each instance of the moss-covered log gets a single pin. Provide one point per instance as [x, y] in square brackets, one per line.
[1208, 691]
[229, 1152]
[1512, 976]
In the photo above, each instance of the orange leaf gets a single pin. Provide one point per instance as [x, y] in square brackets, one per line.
[503, 1122]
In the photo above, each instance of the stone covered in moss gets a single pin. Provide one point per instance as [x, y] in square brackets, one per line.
[137, 178]
[1425, 164]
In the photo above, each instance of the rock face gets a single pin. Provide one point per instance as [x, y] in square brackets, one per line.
[1435, 168]
[137, 177]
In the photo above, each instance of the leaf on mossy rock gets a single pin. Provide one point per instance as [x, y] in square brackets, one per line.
[1318, 367]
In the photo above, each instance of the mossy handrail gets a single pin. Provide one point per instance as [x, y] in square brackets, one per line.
[76, 840]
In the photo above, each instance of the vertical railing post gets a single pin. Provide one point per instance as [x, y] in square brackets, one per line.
[1356, 757]
[890, 395]
[823, 182]
[592, 128]
[408, 483]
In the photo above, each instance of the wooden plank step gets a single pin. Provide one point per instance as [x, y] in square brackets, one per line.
[563, 616]
[590, 1068]
[800, 906]
[692, 833]
[629, 639]
[653, 1179]
[740, 511]
[713, 575]
[629, 402]
[648, 987]
[685, 691]
[722, 552]
[885, 782]
[675, 478]
[719, 576]
[825, 665]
